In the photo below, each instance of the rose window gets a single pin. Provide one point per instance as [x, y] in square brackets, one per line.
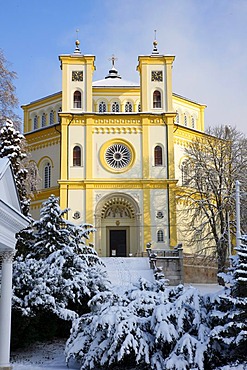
[118, 156]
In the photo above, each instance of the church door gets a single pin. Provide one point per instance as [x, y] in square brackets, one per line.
[118, 246]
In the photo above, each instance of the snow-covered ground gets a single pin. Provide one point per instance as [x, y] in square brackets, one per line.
[206, 288]
[50, 356]
[122, 272]
[39, 356]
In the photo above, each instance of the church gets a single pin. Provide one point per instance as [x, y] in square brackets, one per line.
[112, 150]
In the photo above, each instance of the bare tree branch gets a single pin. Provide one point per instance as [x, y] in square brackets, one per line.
[215, 161]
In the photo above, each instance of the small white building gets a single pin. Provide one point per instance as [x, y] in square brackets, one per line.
[11, 222]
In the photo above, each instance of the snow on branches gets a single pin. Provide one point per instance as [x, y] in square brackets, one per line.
[12, 146]
[58, 271]
[228, 314]
[143, 327]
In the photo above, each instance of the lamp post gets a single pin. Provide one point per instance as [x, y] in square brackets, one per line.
[229, 234]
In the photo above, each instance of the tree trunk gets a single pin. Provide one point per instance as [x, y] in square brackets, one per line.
[221, 258]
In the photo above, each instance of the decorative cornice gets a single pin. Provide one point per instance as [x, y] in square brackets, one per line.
[117, 130]
[43, 195]
[32, 147]
[10, 218]
[117, 121]
[117, 184]
[42, 139]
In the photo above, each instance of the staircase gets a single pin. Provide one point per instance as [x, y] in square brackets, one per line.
[124, 271]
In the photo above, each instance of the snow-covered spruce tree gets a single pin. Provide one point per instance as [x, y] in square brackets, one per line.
[228, 338]
[239, 288]
[12, 146]
[147, 327]
[58, 272]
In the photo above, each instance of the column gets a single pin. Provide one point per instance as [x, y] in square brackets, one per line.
[5, 309]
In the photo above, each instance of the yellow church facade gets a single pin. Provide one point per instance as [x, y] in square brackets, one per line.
[112, 150]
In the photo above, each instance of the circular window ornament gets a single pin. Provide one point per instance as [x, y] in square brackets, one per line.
[117, 156]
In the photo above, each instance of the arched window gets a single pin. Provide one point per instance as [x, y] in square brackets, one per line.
[192, 122]
[43, 120]
[128, 107]
[139, 107]
[76, 156]
[47, 175]
[77, 99]
[115, 107]
[185, 120]
[185, 172]
[58, 117]
[160, 236]
[35, 122]
[177, 117]
[51, 117]
[158, 160]
[156, 99]
[102, 107]
[33, 176]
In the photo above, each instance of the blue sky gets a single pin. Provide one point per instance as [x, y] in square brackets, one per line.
[207, 37]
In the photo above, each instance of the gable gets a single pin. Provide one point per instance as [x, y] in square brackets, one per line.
[8, 190]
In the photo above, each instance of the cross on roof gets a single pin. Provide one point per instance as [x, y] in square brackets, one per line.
[113, 59]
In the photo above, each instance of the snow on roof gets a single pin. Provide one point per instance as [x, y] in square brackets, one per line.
[115, 82]
[8, 190]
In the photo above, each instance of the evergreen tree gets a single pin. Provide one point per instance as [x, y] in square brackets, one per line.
[56, 271]
[149, 326]
[52, 231]
[12, 146]
[239, 288]
[228, 318]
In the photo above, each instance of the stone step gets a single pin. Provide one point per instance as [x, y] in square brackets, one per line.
[129, 263]
[124, 271]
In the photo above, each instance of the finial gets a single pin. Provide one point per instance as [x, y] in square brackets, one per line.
[77, 43]
[113, 59]
[155, 43]
[113, 73]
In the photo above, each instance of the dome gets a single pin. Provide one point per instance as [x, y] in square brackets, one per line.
[115, 82]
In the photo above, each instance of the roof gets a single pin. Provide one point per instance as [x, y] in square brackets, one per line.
[115, 82]
[11, 218]
[8, 190]
[44, 98]
[184, 98]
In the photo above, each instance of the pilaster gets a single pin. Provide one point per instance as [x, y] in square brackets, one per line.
[5, 309]
[145, 148]
[146, 216]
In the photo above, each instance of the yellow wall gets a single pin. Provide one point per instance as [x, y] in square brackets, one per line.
[152, 188]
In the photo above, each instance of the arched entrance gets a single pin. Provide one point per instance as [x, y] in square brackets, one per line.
[117, 220]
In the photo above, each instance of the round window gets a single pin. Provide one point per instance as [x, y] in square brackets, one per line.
[118, 156]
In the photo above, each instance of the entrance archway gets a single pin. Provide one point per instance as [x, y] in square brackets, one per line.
[117, 220]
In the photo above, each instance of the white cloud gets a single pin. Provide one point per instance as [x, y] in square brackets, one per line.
[208, 39]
